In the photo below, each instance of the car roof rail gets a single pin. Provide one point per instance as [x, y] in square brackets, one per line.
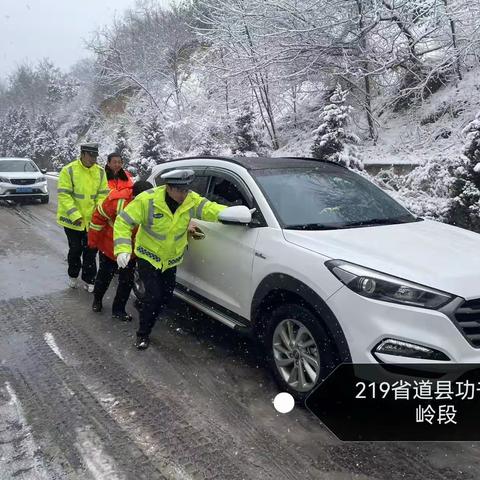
[245, 162]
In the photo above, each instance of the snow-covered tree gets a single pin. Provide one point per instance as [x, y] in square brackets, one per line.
[122, 146]
[45, 142]
[465, 190]
[21, 139]
[247, 137]
[67, 151]
[154, 142]
[154, 149]
[3, 137]
[10, 123]
[332, 140]
[426, 190]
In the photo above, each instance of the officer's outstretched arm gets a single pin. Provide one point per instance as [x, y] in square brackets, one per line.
[207, 210]
[125, 222]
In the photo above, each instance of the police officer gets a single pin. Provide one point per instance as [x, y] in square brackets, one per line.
[82, 185]
[163, 215]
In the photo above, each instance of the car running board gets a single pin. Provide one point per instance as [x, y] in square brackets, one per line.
[211, 311]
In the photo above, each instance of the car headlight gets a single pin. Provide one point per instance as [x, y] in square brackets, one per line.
[40, 179]
[4, 180]
[379, 286]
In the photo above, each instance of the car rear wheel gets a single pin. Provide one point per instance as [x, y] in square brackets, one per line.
[301, 353]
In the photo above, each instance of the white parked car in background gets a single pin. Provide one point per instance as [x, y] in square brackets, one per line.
[21, 179]
[329, 269]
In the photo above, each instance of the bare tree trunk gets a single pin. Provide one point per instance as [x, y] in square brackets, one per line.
[405, 30]
[225, 82]
[454, 41]
[294, 100]
[264, 100]
[366, 69]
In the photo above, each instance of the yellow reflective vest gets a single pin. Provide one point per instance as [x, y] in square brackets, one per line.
[162, 236]
[80, 189]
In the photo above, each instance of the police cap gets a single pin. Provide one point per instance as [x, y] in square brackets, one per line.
[91, 148]
[179, 178]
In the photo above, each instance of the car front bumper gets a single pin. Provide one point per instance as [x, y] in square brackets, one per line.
[366, 323]
[9, 191]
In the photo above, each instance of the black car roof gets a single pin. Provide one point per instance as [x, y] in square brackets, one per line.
[260, 163]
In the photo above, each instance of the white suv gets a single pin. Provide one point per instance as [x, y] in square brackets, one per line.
[21, 179]
[330, 269]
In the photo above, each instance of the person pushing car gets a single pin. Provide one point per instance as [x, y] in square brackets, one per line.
[100, 236]
[163, 215]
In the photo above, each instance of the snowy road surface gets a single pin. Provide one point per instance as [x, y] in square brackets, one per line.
[77, 401]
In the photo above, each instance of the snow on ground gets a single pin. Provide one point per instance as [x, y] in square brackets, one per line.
[18, 451]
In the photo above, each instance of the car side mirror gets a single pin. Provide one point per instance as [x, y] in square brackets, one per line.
[43, 170]
[235, 215]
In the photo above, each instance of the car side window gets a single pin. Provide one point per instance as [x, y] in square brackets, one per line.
[199, 185]
[225, 192]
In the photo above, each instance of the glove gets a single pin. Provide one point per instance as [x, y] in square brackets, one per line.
[123, 259]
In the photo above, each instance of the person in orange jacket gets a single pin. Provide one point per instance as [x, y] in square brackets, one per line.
[100, 236]
[118, 178]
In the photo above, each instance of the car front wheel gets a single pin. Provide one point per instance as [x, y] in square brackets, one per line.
[301, 353]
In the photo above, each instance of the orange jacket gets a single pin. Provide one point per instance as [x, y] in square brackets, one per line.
[119, 184]
[100, 233]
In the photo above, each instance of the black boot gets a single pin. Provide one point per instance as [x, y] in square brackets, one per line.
[142, 343]
[97, 305]
[122, 316]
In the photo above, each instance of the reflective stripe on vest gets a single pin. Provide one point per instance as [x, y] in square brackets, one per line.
[178, 237]
[120, 204]
[122, 241]
[101, 211]
[157, 236]
[200, 208]
[98, 228]
[127, 218]
[150, 212]
[72, 210]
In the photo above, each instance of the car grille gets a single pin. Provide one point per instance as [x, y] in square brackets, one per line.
[467, 316]
[23, 181]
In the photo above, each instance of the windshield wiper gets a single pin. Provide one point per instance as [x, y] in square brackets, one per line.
[313, 226]
[381, 221]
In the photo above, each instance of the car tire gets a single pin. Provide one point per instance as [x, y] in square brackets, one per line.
[45, 200]
[314, 347]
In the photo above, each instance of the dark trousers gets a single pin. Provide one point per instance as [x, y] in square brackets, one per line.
[77, 251]
[106, 271]
[159, 288]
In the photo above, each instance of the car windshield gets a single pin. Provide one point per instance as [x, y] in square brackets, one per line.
[17, 166]
[327, 197]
